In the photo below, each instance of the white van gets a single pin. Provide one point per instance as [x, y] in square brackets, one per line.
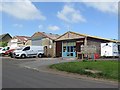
[29, 51]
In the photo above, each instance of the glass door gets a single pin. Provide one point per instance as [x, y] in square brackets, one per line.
[69, 49]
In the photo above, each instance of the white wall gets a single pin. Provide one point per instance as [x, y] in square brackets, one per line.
[13, 43]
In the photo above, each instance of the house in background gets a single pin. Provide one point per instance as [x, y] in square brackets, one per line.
[5, 37]
[17, 41]
[47, 40]
[70, 43]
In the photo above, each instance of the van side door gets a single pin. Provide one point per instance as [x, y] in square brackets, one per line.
[27, 50]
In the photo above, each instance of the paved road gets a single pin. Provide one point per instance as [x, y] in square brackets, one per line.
[15, 76]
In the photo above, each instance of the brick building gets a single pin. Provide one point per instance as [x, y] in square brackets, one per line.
[68, 44]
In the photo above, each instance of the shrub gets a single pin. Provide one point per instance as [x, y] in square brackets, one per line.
[3, 44]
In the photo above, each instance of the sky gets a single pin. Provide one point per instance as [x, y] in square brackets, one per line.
[91, 18]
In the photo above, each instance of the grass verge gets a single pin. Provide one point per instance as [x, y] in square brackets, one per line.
[96, 69]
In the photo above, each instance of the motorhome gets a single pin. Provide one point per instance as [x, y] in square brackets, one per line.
[29, 51]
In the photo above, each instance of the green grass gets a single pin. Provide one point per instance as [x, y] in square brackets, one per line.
[108, 69]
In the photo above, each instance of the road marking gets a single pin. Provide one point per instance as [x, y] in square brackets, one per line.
[31, 68]
[35, 69]
[27, 67]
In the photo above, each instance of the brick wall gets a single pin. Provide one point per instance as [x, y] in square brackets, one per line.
[96, 42]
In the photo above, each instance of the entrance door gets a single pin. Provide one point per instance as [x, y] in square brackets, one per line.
[69, 51]
[58, 48]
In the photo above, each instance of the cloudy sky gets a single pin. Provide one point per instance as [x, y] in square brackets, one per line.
[92, 18]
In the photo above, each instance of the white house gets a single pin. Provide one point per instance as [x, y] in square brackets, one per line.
[17, 41]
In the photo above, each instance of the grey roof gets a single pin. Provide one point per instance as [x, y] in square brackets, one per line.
[48, 35]
[3, 35]
[51, 35]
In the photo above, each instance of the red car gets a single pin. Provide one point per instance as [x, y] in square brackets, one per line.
[9, 51]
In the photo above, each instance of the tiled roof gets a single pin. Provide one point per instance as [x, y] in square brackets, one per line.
[52, 36]
[22, 38]
[48, 35]
[85, 35]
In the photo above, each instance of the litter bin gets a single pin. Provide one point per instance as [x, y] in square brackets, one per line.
[96, 56]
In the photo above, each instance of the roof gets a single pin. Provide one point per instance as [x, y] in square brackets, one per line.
[85, 35]
[48, 35]
[22, 38]
[3, 35]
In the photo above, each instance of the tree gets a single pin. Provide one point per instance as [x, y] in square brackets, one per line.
[3, 44]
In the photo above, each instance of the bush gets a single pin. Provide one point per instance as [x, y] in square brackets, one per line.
[3, 44]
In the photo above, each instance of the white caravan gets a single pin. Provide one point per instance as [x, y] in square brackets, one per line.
[29, 51]
[109, 49]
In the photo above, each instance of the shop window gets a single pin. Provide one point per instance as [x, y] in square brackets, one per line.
[71, 54]
[64, 49]
[68, 49]
[72, 48]
[68, 54]
[64, 43]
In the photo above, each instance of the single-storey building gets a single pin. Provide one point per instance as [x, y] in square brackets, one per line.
[47, 40]
[70, 43]
[17, 41]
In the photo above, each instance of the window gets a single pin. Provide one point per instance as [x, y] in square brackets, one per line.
[64, 43]
[72, 48]
[26, 48]
[71, 54]
[64, 49]
[8, 48]
[119, 48]
[3, 49]
[68, 49]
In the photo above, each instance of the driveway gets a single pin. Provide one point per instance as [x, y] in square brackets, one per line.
[42, 63]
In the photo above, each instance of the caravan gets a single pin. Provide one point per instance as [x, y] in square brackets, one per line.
[109, 49]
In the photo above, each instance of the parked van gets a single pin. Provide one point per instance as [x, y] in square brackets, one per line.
[29, 51]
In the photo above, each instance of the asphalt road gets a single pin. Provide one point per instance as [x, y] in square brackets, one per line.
[14, 76]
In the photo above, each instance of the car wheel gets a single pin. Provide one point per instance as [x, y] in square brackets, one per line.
[23, 56]
[10, 54]
[39, 55]
[3, 54]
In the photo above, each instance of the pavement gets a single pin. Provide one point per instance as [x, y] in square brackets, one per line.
[16, 76]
